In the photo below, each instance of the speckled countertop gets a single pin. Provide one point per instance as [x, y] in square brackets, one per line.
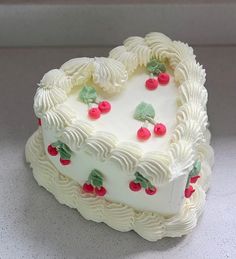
[34, 225]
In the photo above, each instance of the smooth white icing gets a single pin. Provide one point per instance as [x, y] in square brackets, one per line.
[151, 226]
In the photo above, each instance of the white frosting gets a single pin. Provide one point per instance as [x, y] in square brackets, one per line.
[138, 46]
[189, 131]
[75, 135]
[151, 226]
[107, 73]
[178, 52]
[193, 111]
[155, 167]
[128, 58]
[79, 69]
[101, 144]
[191, 91]
[190, 70]
[182, 155]
[160, 45]
[127, 156]
[58, 117]
[113, 148]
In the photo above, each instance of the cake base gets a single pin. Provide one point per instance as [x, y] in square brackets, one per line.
[149, 225]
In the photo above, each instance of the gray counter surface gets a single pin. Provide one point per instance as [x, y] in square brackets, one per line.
[34, 225]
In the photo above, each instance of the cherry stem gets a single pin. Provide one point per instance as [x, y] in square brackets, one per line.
[151, 120]
[145, 124]
[96, 101]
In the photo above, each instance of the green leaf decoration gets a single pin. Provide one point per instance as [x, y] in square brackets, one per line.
[144, 111]
[196, 169]
[194, 172]
[142, 180]
[88, 94]
[65, 151]
[97, 182]
[155, 67]
[56, 144]
[96, 178]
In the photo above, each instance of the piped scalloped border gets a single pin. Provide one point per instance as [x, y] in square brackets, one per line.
[149, 225]
[110, 74]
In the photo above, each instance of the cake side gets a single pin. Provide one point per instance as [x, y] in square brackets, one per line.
[173, 170]
[151, 226]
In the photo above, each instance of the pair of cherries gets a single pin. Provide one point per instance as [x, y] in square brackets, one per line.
[144, 133]
[135, 187]
[190, 190]
[53, 151]
[95, 112]
[152, 83]
[89, 188]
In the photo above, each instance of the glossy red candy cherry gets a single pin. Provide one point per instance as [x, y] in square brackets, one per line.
[94, 113]
[87, 187]
[163, 78]
[64, 161]
[100, 191]
[151, 83]
[143, 133]
[189, 191]
[160, 129]
[151, 190]
[104, 106]
[194, 179]
[52, 150]
[135, 187]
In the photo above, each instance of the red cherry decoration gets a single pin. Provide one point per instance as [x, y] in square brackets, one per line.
[160, 129]
[135, 187]
[143, 133]
[100, 191]
[52, 150]
[151, 190]
[189, 191]
[104, 106]
[163, 78]
[87, 187]
[65, 161]
[94, 113]
[39, 122]
[194, 179]
[151, 83]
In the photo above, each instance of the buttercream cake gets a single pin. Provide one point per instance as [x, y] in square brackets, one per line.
[124, 139]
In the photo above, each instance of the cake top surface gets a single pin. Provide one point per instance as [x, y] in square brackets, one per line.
[120, 79]
[120, 120]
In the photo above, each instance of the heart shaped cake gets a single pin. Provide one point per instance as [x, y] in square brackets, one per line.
[124, 139]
